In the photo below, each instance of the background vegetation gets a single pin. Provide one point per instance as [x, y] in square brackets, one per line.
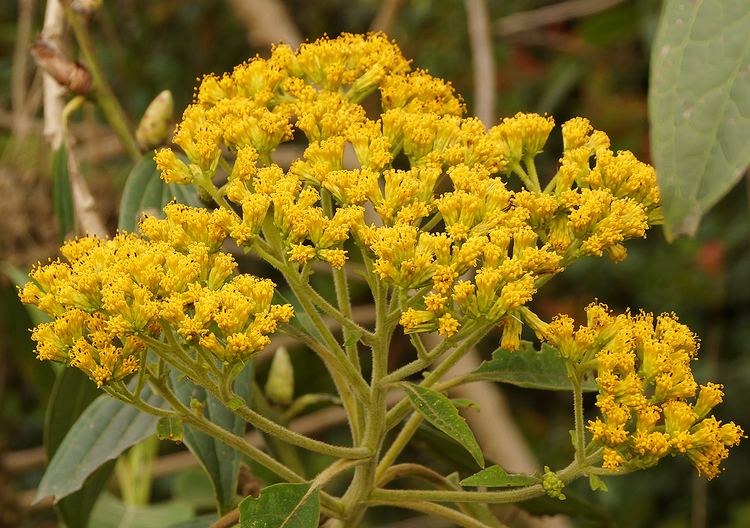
[582, 58]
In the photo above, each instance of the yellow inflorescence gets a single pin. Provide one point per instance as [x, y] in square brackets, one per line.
[430, 199]
[110, 295]
[647, 393]
[448, 223]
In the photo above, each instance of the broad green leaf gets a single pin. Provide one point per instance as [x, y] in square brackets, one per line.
[529, 368]
[185, 194]
[437, 409]
[71, 395]
[143, 190]
[193, 487]
[103, 431]
[111, 512]
[282, 506]
[221, 462]
[496, 477]
[699, 106]
[62, 197]
[20, 278]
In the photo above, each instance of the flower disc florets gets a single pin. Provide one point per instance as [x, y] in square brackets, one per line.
[448, 223]
[111, 296]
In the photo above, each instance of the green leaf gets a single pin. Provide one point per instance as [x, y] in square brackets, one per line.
[437, 409]
[596, 483]
[111, 512]
[185, 194]
[71, 395]
[103, 431]
[62, 197]
[282, 506]
[170, 428]
[699, 106]
[143, 190]
[496, 477]
[20, 278]
[529, 368]
[221, 462]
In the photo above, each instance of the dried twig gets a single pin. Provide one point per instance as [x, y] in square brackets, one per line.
[87, 215]
[18, 84]
[53, 32]
[534, 18]
[386, 15]
[69, 74]
[480, 37]
[267, 22]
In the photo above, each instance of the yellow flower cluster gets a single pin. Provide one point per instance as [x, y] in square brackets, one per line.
[112, 295]
[447, 224]
[650, 404]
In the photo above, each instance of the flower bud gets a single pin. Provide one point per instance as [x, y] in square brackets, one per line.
[155, 124]
[280, 384]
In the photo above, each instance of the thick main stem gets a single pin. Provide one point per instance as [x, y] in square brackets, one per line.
[364, 480]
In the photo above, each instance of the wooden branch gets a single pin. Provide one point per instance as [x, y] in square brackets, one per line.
[53, 32]
[18, 80]
[266, 22]
[386, 15]
[482, 58]
[553, 14]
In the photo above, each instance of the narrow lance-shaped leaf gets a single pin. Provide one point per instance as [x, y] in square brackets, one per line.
[143, 190]
[441, 412]
[529, 368]
[699, 106]
[103, 431]
[282, 506]
[221, 462]
[111, 512]
[72, 393]
[62, 196]
[496, 477]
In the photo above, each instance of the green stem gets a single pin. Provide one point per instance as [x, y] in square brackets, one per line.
[435, 220]
[574, 470]
[210, 428]
[354, 377]
[532, 174]
[580, 434]
[259, 421]
[285, 452]
[525, 179]
[103, 94]
[350, 388]
[364, 476]
[398, 445]
[400, 409]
